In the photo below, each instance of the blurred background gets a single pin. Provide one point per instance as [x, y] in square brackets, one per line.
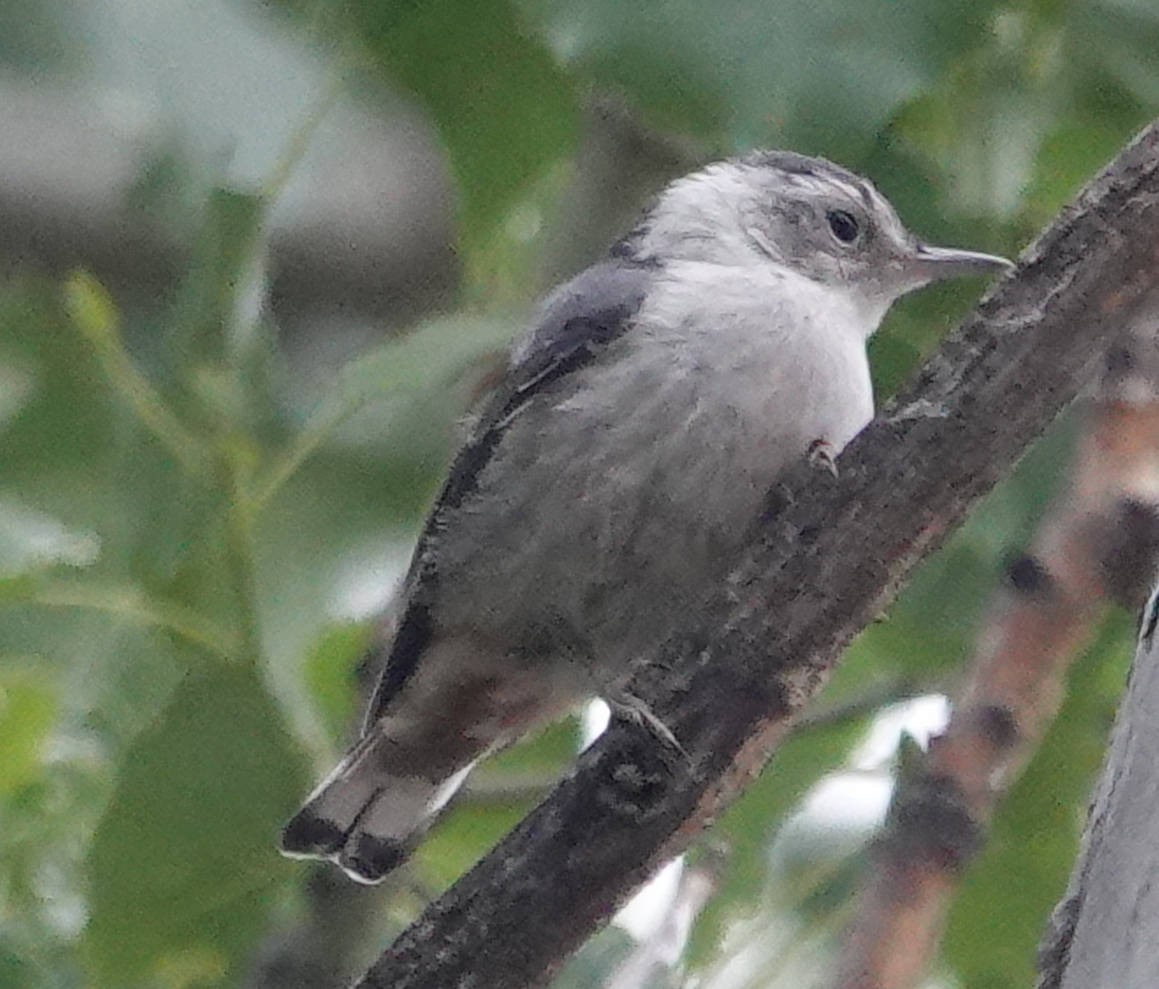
[257, 260]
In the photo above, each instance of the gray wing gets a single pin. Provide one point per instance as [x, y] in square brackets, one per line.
[576, 323]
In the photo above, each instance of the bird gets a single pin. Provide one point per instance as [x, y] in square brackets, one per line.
[608, 484]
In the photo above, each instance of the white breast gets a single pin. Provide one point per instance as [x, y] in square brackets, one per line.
[610, 510]
[758, 359]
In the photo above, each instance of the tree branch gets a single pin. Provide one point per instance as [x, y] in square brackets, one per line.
[819, 568]
[1103, 932]
[1098, 544]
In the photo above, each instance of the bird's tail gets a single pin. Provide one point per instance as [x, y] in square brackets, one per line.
[364, 816]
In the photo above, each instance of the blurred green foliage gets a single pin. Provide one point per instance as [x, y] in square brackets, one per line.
[168, 885]
[1026, 862]
[177, 520]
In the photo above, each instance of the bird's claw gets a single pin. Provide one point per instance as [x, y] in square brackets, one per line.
[636, 710]
[823, 455]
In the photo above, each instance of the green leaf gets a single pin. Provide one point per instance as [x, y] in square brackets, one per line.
[31, 540]
[19, 589]
[28, 710]
[95, 317]
[1117, 39]
[546, 753]
[394, 401]
[1070, 155]
[463, 837]
[329, 671]
[813, 75]
[207, 314]
[426, 360]
[502, 106]
[183, 865]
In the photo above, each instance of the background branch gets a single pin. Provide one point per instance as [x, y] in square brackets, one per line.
[819, 569]
[1103, 932]
[1097, 545]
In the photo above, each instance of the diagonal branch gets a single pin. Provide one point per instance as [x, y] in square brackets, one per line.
[818, 570]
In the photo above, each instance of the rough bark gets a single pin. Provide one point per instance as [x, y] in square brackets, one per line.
[1103, 933]
[827, 557]
[1097, 544]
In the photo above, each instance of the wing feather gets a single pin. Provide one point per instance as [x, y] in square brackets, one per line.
[575, 324]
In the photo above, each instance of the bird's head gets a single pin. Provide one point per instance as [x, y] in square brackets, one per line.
[803, 214]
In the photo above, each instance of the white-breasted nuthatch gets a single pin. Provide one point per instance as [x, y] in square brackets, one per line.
[609, 484]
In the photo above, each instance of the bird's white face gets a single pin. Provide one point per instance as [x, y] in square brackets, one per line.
[806, 215]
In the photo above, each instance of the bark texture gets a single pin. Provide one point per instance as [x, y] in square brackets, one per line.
[1104, 932]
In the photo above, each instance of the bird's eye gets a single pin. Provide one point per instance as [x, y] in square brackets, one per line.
[844, 225]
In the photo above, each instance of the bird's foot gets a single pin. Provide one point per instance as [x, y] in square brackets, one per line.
[636, 710]
[823, 455]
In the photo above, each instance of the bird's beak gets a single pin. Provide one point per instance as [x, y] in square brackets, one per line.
[935, 264]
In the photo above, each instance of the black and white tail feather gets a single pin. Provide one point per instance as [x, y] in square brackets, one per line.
[364, 818]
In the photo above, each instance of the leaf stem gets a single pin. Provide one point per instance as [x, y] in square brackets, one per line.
[299, 140]
[132, 606]
[240, 561]
[95, 317]
[320, 426]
